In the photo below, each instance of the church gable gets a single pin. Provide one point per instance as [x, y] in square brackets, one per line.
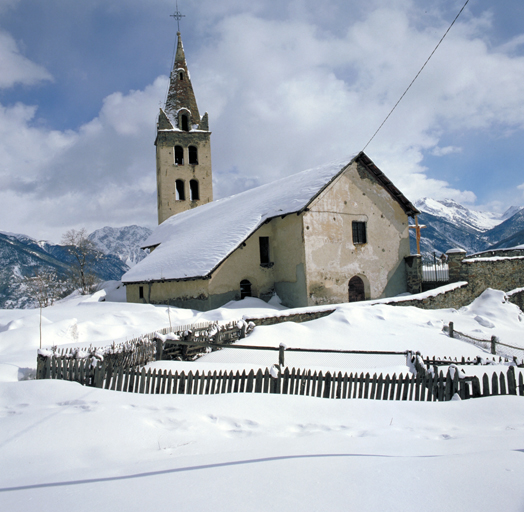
[355, 228]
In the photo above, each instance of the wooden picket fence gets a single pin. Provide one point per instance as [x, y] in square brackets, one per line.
[477, 360]
[423, 385]
[134, 353]
[54, 363]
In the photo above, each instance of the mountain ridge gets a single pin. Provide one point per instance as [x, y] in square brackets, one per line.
[450, 224]
[23, 256]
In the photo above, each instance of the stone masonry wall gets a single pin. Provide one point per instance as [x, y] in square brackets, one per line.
[455, 298]
[500, 270]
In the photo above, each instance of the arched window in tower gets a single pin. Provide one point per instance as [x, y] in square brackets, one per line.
[179, 155]
[193, 190]
[181, 75]
[184, 121]
[193, 155]
[180, 194]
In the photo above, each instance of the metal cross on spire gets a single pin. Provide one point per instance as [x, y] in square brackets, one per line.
[178, 16]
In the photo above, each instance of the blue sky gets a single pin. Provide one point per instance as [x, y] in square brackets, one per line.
[288, 85]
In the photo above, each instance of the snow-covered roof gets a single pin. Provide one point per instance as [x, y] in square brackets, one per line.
[193, 243]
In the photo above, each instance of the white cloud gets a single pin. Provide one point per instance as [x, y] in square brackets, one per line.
[282, 96]
[17, 69]
[104, 173]
[448, 150]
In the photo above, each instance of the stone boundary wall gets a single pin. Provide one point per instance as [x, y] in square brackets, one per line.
[517, 298]
[455, 298]
[297, 317]
[500, 253]
[498, 269]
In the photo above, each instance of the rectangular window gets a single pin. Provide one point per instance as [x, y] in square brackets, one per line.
[264, 251]
[140, 292]
[359, 232]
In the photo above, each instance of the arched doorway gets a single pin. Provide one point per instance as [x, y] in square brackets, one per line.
[245, 289]
[356, 290]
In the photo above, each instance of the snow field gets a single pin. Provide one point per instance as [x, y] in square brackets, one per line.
[66, 446]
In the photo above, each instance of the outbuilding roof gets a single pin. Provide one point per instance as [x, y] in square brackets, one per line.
[193, 243]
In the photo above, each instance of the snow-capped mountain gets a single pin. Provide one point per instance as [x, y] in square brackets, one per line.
[512, 210]
[451, 211]
[23, 256]
[122, 242]
[509, 233]
[450, 224]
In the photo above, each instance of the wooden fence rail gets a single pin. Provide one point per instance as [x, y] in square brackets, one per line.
[493, 344]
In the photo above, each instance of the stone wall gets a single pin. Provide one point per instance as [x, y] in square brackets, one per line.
[500, 270]
[455, 297]
[517, 298]
[297, 317]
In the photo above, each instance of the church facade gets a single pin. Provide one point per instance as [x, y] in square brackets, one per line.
[333, 234]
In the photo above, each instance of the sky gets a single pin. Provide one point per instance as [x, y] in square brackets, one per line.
[288, 86]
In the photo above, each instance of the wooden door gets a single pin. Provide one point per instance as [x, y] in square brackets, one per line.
[356, 290]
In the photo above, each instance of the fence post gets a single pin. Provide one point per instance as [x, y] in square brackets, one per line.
[281, 350]
[451, 330]
[494, 344]
[159, 349]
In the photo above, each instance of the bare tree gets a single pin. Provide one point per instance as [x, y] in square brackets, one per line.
[45, 287]
[85, 255]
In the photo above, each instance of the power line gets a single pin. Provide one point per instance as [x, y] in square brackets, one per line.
[420, 71]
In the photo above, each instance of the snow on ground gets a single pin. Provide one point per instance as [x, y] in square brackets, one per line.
[65, 446]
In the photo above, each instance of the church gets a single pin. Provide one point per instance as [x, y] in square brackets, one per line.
[332, 234]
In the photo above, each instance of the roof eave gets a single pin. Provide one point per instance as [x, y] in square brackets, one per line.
[387, 184]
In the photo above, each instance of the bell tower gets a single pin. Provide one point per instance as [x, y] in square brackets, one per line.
[183, 146]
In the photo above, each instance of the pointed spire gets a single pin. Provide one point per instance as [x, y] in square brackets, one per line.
[181, 95]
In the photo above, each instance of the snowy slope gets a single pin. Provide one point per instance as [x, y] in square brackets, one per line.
[194, 242]
[66, 446]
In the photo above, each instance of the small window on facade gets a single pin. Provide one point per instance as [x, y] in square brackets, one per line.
[245, 289]
[181, 76]
[180, 194]
[193, 155]
[359, 232]
[185, 122]
[193, 190]
[179, 155]
[140, 292]
[264, 251]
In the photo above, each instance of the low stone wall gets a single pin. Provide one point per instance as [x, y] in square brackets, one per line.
[297, 317]
[453, 298]
[506, 274]
[499, 269]
[499, 253]
[517, 298]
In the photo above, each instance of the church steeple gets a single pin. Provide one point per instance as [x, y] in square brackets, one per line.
[181, 97]
[183, 155]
